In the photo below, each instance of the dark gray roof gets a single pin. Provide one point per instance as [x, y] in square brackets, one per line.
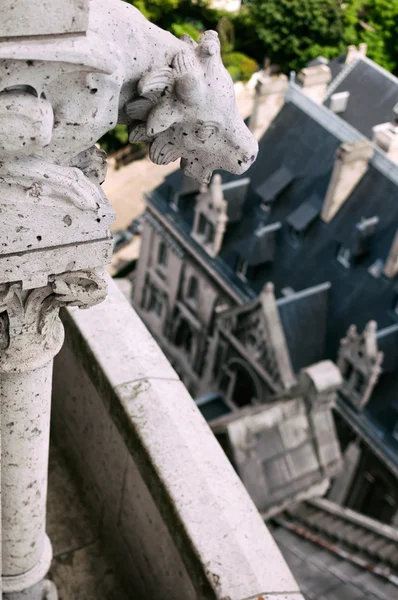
[321, 547]
[304, 319]
[304, 138]
[373, 93]
[305, 214]
[274, 184]
[235, 192]
[259, 247]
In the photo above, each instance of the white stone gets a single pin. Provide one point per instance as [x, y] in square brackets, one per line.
[180, 491]
[73, 76]
[24, 17]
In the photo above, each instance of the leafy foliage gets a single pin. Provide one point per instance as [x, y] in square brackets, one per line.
[240, 66]
[374, 22]
[295, 31]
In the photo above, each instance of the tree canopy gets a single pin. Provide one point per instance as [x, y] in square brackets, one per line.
[292, 32]
[288, 32]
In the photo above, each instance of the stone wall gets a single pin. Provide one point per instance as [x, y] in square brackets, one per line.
[166, 500]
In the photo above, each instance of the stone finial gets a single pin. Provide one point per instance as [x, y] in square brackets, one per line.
[314, 81]
[359, 361]
[350, 166]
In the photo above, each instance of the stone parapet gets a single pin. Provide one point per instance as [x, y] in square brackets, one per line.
[168, 503]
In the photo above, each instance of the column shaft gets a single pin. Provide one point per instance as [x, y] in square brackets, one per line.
[25, 429]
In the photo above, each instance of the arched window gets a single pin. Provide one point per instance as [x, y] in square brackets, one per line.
[162, 254]
[193, 289]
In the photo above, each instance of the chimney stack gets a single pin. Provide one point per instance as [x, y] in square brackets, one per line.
[391, 268]
[385, 137]
[314, 81]
[352, 54]
[268, 101]
[351, 163]
[363, 49]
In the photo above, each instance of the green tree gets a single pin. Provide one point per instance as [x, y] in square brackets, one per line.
[374, 22]
[295, 31]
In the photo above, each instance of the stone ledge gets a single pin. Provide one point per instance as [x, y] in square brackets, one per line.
[195, 523]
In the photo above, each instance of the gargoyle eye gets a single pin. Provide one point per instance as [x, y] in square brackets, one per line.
[205, 132]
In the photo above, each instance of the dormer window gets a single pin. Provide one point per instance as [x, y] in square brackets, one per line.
[274, 185]
[344, 256]
[356, 242]
[300, 220]
[241, 268]
[162, 254]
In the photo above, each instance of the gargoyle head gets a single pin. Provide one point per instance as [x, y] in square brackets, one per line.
[188, 110]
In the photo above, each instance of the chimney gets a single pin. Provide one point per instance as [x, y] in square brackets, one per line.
[314, 81]
[268, 101]
[385, 137]
[391, 268]
[363, 49]
[352, 54]
[350, 165]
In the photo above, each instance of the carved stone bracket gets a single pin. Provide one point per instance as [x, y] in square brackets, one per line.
[31, 332]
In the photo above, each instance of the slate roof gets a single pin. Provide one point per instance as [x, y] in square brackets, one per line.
[304, 138]
[331, 552]
[373, 92]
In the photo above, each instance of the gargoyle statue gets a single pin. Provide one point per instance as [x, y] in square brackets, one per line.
[61, 95]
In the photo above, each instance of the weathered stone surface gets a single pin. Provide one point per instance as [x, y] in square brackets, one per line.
[24, 17]
[181, 498]
[60, 91]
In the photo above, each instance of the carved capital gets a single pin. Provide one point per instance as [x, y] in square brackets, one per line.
[31, 332]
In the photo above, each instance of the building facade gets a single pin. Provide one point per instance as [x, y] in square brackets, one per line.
[251, 281]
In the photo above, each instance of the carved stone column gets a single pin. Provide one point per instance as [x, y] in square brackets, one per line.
[69, 71]
[31, 334]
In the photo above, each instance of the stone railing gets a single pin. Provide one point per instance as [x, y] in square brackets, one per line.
[168, 503]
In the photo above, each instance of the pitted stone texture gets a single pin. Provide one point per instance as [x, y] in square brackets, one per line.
[180, 494]
[44, 590]
[24, 17]
[173, 93]
[30, 330]
[25, 418]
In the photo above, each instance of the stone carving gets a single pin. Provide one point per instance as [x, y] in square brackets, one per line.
[174, 93]
[30, 330]
[360, 363]
[188, 110]
[69, 72]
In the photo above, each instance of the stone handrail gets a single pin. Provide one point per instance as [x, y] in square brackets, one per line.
[168, 502]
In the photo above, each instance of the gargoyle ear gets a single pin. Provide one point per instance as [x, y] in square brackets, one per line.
[163, 116]
[188, 40]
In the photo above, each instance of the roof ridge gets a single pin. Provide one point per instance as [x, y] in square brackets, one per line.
[340, 77]
[340, 129]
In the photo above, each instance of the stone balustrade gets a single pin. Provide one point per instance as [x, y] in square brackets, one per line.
[165, 498]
